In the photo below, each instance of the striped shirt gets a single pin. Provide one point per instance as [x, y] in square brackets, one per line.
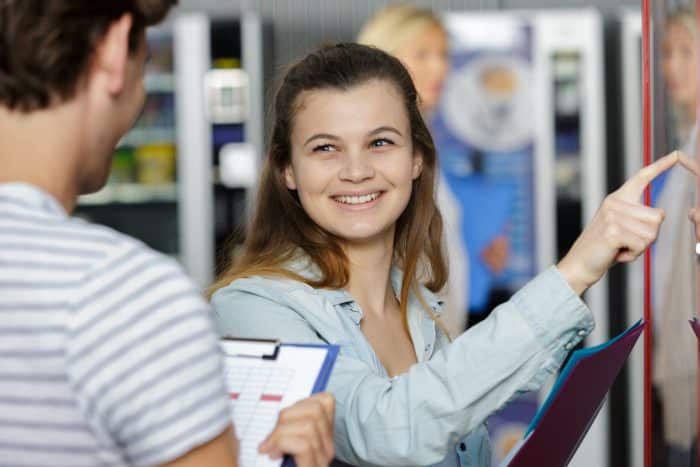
[107, 352]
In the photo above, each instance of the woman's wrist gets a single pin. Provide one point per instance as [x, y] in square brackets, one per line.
[574, 275]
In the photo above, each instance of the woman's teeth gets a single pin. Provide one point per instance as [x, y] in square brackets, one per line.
[357, 199]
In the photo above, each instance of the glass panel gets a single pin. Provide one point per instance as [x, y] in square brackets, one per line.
[674, 95]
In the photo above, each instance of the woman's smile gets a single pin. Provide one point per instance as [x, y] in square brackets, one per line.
[355, 202]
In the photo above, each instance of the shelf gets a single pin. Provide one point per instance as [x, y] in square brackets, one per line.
[131, 193]
[142, 136]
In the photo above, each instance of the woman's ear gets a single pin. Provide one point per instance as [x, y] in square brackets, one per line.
[417, 164]
[289, 177]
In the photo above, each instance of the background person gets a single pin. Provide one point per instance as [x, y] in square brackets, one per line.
[674, 271]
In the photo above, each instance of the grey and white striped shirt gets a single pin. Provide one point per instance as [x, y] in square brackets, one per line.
[107, 352]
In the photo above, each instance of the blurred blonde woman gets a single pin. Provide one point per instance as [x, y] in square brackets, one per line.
[418, 38]
[675, 367]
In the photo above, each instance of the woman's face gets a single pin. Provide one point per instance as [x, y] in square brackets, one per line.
[679, 60]
[427, 59]
[353, 162]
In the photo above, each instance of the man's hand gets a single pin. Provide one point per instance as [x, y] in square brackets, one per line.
[304, 431]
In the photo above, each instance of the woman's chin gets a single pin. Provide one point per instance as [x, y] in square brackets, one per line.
[360, 235]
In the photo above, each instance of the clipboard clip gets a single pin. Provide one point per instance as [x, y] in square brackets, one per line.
[266, 349]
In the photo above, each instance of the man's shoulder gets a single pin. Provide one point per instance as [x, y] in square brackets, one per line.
[110, 250]
[35, 235]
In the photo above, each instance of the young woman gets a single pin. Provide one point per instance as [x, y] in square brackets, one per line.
[345, 215]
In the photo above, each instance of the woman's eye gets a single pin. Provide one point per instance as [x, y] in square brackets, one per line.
[323, 148]
[381, 142]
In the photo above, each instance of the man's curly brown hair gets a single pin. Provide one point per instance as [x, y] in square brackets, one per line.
[46, 45]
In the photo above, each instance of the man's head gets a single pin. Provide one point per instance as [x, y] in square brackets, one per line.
[88, 54]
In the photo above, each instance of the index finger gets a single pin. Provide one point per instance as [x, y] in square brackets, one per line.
[690, 164]
[634, 187]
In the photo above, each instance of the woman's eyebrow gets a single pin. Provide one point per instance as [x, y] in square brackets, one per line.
[382, 129]
[321, 136]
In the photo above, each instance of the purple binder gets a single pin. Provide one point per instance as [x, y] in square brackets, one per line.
[696, 326]
[564, 419]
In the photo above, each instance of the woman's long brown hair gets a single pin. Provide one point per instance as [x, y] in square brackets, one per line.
[280, 227]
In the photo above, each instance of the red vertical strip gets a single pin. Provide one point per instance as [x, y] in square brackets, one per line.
[646, 126]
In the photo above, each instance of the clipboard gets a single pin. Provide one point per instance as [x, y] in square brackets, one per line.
[265, 376]
[562, 422]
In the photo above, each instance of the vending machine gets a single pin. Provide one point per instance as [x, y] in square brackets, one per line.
[520, 129]
[183, 177]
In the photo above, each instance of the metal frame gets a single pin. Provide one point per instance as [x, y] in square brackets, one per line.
[631, 85]
[252, 39]
[194, 161]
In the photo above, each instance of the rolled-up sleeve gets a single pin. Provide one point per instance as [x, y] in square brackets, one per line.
[416, 418]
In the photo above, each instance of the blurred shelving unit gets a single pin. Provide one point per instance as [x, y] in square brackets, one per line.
[131, 193]
[168, 186]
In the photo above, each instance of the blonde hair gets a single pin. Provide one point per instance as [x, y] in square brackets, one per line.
[396, 25]
[685, 17]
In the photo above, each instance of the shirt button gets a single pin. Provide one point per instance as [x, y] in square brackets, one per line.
[582, 332]
[569, 346]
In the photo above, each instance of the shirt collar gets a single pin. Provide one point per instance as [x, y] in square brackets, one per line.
[430, 298]
[342, 296]
[27, 195]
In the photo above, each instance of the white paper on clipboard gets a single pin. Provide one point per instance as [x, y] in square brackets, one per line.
[263, 377]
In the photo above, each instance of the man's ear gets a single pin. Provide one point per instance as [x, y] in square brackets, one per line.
[112, 54]
[417, 164]
[289, 178]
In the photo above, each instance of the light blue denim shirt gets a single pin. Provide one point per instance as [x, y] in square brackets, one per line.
[435, 412]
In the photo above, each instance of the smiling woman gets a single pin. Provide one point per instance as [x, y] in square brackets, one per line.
[346, 219]
[354, 178]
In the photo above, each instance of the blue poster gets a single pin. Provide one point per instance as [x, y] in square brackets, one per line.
[483, 130]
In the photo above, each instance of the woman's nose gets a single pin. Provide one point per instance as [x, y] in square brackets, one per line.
[356, 167]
